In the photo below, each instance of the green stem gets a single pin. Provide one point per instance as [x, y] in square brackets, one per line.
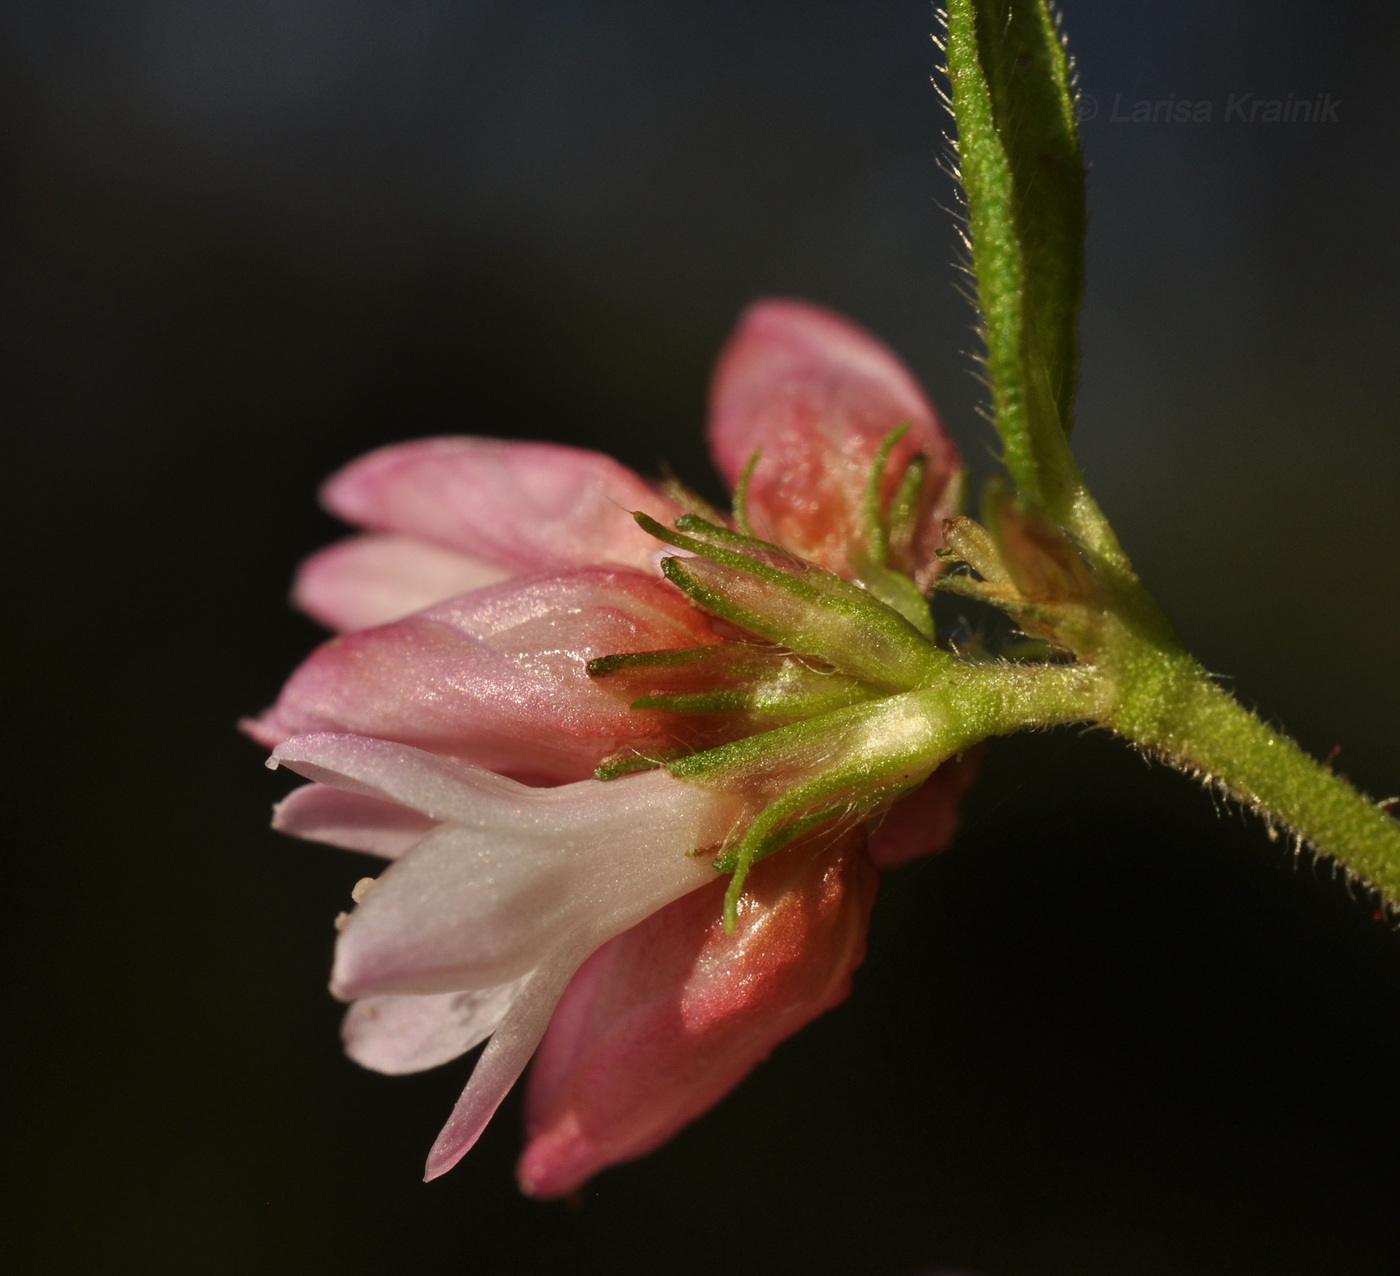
[1019, 156]
[1170, 706]
[986, 700]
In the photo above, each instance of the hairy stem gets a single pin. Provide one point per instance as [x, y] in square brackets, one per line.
[1171, 707]
[1013, 99]
[991, 700]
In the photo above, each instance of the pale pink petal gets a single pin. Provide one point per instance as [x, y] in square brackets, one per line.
[402, 1034]
[526, 507]
[503, 1060]
[926, 820]
[353, 821]
[667, 1018]
[471, 907]
[390, 773]
[371, 580]
[497, 677]
[513, 871]
[816, 396]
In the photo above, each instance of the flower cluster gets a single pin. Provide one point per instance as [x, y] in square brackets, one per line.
[558, 731]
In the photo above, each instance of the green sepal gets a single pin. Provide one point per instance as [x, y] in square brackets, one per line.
[899, 593]
[709, 540]
[770, 593]
[777, 701]
[626, 762]
[904, 511]
[852, 631]
[696, 702]
[970, 587]
[871, 558]
[723, 665]
[873, 734]
[875, 528]
[741, 494]
[1066, 626]
[841, 766]
[670, 658]
[758, 679]
[783, 822]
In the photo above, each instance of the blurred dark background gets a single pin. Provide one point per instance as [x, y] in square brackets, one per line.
[1115, 1030]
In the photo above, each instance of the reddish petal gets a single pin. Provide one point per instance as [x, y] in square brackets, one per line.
[496, 677]
[525, 507]
[817, 396]
[926, 820]
[663, 1021]
[371, 580]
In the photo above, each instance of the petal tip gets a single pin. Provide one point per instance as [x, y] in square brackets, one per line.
[447, 1151]
[546, 1171]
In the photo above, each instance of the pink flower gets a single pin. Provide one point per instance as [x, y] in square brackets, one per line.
[490, 576]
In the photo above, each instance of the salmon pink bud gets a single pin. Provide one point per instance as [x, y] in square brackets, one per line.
[663, 1021]
[815, 397]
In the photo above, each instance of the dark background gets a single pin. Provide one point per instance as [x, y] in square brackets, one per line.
[1115, 1030]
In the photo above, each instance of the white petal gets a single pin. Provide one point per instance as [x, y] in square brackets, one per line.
[438, 787]
[400, 1034]
[504, 1058]
[481, 899]
[471, 907]
[353, 821]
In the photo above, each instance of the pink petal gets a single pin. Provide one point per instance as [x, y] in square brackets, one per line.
[371, 580]
[662, 1022]
[353, 821]
[816, 396]
[502, 1061]
[926, 820]
[496, 677]
[404, 1033]
[525, 507]
[393, 774]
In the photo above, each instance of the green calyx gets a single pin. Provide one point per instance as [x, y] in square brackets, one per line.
[808, 713]
[832, 701]
[773, 595]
